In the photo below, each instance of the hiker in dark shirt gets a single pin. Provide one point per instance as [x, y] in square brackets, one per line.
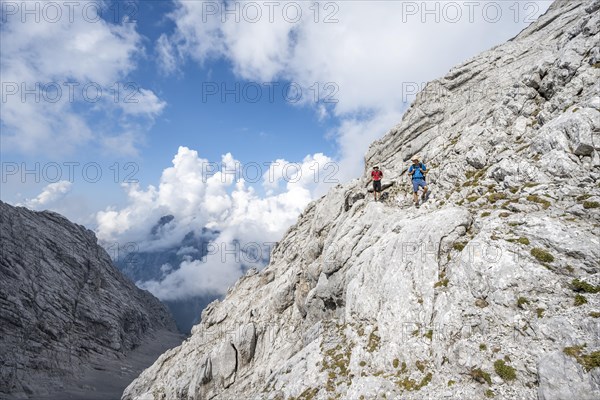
[376, 175]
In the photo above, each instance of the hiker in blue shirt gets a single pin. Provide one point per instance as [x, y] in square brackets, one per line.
[417, 171]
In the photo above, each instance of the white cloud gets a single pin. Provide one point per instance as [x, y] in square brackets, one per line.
[355, 134]
[124, 144]
[201, 194]
[140, 101]
[78, 64]
[194, 277]
[370, 54]
[165, 51]
[49, 195]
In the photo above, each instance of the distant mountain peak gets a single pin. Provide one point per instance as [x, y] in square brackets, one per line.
[164, 220]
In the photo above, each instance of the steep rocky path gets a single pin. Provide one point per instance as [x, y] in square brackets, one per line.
[490, 289]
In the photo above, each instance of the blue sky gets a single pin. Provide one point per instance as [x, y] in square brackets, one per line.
[172, 52]
[253, 130]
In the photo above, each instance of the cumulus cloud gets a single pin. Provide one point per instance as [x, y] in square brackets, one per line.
[51, 70]
[49, 195]
[374, 53]
[142, 102]
[200, 195]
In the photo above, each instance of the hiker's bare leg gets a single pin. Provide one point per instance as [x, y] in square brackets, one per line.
[415, 197]
[424, 192]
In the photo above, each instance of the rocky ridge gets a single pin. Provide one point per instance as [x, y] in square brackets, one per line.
[490, 289]
[70, 320]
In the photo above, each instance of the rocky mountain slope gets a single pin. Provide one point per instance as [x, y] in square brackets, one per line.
[71, 326]
[490, 289]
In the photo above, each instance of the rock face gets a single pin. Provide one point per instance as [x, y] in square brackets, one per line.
[491, 288]
[69, 319]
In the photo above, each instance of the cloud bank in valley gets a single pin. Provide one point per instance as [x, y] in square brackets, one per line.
[203, 194]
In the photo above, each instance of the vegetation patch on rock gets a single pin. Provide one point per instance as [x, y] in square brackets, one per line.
[584, 287]
[587, 361]
[504, 371]
[480, 376]
[534, 198]
[591, 204]
[542, 255]
[522, 240]
[580, 300]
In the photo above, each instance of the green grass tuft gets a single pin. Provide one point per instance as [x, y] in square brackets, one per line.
[506, 372]
[308, 394]
[494, 197]
[458, 246]
[584, 287]
[591, 204]
[537, 199]
[521, 301]
[580, 300]
[521, 240]
[542, 255]
[374, 340]
[539, 312]
[442, 282]
[587, 361]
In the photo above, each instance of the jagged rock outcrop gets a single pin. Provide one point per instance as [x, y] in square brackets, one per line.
[491, 288]
[71, 325]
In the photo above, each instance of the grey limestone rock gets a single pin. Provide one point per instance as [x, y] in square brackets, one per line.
[473, 294]
[70, 320]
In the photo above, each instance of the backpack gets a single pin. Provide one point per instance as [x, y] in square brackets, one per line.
[422, 172]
